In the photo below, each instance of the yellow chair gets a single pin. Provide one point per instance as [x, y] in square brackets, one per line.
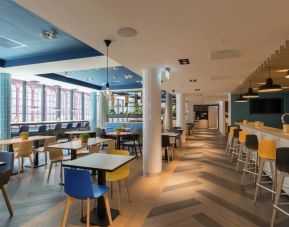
[23, 150]
[119, 175]
[81, 151]
[266, 153]
[94, 149]
[242, 148]
[110, 146]
[47, 142]
[230, 138]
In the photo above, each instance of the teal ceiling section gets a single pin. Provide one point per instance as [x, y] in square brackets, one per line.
[22, 43]
[119, 77]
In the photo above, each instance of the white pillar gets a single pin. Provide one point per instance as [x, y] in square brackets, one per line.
[180, 111]
[222, 117]
[229, 110]
[101, 116]
[168, 119]
[152, 151]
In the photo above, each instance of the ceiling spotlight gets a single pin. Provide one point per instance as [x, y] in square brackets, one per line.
[128, 76]
[167, 72]
[192, 81]
[127, 32]
[49, 34]
[184, 61]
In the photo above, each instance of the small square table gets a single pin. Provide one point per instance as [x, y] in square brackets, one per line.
[117, 135]
[101, 163]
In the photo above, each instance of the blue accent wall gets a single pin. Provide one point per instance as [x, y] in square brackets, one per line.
[242, 110]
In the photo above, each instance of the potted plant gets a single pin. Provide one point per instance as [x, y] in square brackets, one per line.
[24, 135]
[118, 130]
[85, 137]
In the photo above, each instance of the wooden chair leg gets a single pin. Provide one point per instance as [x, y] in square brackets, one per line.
[107, 207]
[277, 196]
[245, 165]
[119, 195]
[6, 200]
[111, 190]
[31, 163]
[262, 161]
[66, 211]
[88, 212]
[61, 173]
[49, 172]
[128, 195]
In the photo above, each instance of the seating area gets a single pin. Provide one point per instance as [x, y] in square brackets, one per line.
[144, 113]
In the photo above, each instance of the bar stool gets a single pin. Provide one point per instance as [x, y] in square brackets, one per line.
[282, 166]
[230, 138]
[266, 153]
[235, 146]
[251, 148]
[242, 148]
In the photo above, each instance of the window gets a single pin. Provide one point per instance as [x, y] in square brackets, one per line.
[86, 106]
[50, 103]
[16, 102]
[65, 104]
[76, 106]
[33, 102]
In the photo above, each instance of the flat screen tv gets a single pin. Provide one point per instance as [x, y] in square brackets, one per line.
[266, 106]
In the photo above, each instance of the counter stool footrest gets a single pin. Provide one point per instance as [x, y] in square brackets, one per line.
[280, 209]
[264, 187]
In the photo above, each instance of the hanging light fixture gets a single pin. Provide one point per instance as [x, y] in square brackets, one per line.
[241, 99]
[250, 94]
[107, 91]
[269, 86]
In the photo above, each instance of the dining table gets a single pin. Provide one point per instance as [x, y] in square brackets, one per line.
[34, 139]
[118, 135]
[73, 146]
[78, 133]
[101, 163]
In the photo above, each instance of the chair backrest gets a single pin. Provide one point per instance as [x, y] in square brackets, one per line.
[110, 145]
[24, 128]
[231, 132]
[6, 170]
[58, 126]
[24, 148]
[78, 126]
[99, 132]
[49, 141]
[125, 167]
[55, 153]
[78, 183]
[138, 131]
[267, 149]
[242, 136]
[282, 159]
[252, 141]
[42, 129]
[94, 149]
[69, 126]
[165, 141]
[86, 125]
[236, 133]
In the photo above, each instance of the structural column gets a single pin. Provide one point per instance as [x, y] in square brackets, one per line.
[24, 100]
[72, 105]
[43, 104]
[152, 151]
[5, 106]
[180, 111]
[101, 110]
[93, 109]
[58, 102]
[82, 105]
[168, 112]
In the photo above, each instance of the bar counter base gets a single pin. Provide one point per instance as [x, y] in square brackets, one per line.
[100, 221]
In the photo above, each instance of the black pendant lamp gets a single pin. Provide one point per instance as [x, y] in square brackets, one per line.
[107, 91]
[269, 86]
[241, 99]
[250, 94]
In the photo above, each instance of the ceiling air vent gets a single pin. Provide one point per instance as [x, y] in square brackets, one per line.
[9, 43]
[225, 54]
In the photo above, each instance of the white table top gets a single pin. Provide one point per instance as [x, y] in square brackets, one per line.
[19, 140]
[78, 132]
[100, 161]
[74, 145]
[119, 134]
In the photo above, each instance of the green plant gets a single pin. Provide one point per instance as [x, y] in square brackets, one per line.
[121, 113]
[111, 111]
[85, 136]
[123, 125]
[24, 134]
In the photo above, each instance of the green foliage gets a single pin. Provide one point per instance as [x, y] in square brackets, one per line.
[85, 136]
[24, 134]
[111, 111]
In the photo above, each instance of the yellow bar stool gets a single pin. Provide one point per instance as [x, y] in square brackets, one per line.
[236, 144]
[266, 153]
[230, 138]
[242, 148]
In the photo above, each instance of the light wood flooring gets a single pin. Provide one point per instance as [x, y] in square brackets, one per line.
[198, 188]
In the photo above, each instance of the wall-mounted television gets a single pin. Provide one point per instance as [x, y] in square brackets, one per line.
[267, 106]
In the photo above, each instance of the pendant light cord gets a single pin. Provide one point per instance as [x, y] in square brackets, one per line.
[107, 64]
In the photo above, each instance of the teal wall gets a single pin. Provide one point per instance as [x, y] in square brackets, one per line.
[242, 110]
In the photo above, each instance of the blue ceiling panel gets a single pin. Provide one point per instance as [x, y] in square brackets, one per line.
[119, 77]
[25, 28]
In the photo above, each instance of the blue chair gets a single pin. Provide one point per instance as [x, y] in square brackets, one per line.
[5, 173]
[78, 186]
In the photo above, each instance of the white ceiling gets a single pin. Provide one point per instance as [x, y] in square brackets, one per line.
[169, 30]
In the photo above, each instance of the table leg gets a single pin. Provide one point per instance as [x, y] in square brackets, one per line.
[98, 215]
[118, 142]
[36, 157]
[73, 154]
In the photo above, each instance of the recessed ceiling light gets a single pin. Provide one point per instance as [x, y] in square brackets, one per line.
[192, 81]
[197, 89]
[49, 34]
[184, 61]
[281, 70]
[127, 32]
[128, 76]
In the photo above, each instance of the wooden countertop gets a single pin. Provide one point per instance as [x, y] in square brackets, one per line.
[266, 129]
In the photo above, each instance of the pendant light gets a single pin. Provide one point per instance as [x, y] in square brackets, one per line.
[269, 86]
[241, 99]
[250, 94]
[287, 75]
[107, 91]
